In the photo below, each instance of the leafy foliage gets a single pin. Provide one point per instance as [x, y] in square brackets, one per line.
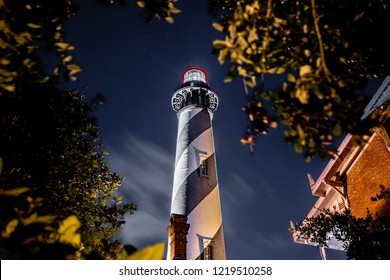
[40, 238]
[158, 9]
[151, 9]
[43, 237]
[326, 50]
[363, 238]
[51, 161]
[52, 158]
[153, 252]
[27, 27]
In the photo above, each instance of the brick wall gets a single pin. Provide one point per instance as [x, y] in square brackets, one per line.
[370, 170]
[177, 232]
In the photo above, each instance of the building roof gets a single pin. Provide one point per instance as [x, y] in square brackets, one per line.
[381, 96]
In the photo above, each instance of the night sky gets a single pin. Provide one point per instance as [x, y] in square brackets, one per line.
[138, 66]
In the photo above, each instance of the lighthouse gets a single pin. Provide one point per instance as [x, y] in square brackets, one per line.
[195, 230]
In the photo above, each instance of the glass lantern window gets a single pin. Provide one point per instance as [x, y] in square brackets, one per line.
[194, 75]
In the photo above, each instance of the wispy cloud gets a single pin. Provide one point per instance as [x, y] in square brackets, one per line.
[244, 197]
[260, 192]
[247, 191]
[148, 173]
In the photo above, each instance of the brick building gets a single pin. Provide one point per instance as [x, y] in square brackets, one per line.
[356, 173]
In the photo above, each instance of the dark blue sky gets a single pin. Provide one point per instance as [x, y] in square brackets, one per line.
[138, 66]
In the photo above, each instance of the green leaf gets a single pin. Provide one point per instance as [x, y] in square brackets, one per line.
[141, 4]
[298, 147]
[305, 28]
[242, 42]
[21, 39]
[302, 94]
[28, 62]
[228, 79]
[62, 46]
[68, 231]
[154, 252]
[34, 218]
[43, 80]
[305, 70]
[10, 228]
[4, 61]
[56, 70]
[10, 88]
[291, 78]
[232, 31]
[34, 25]
[218, 26]
[169, 19]
[301, 132]
[172, 8]
[73, 69]
[337, 130]
[67, 59]
[252, 82]
[219, 44]
[222, 55]
[253, 35]
[241, 71]
[276, 70]
[13, 192]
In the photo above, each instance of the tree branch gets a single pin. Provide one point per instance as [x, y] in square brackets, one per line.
[319, 37]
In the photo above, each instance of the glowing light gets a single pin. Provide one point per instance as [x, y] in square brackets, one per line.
[194, 74]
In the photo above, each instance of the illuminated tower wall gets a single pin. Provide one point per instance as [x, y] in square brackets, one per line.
[195, 230]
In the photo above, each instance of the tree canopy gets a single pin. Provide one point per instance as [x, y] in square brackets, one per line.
[326, 52]
[52, 154]
[365, 238]
[58, 195]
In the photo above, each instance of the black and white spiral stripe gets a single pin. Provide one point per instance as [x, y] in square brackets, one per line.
[194, 195]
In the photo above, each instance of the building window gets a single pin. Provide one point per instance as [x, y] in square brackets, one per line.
[341, 205]
[208, 252]
[206, 247]
[203, 168]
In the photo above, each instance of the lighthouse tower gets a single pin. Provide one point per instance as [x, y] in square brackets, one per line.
[195, 230]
